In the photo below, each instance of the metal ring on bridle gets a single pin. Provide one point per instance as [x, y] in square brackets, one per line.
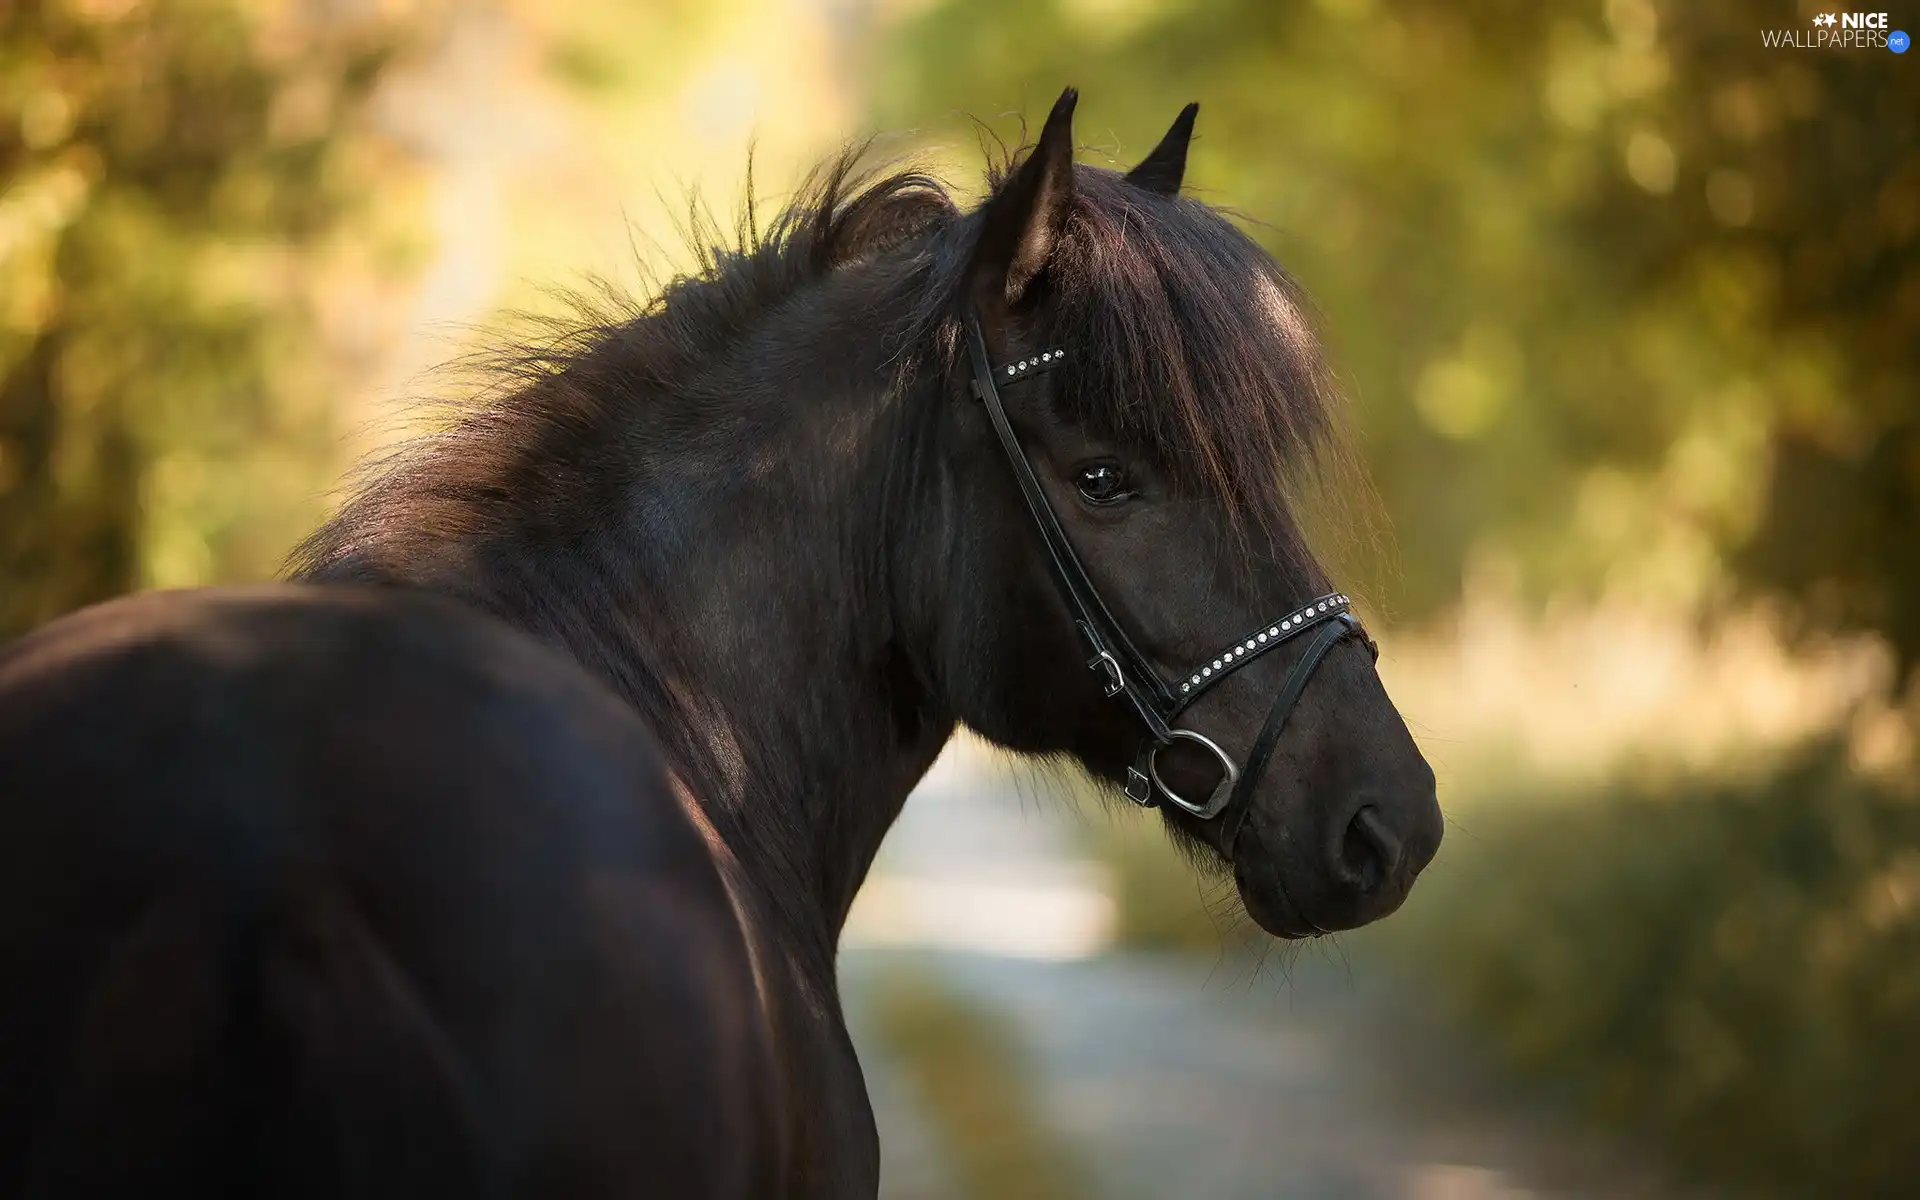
[1222, 791]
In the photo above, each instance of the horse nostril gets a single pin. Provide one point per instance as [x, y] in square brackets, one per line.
[1369, 851]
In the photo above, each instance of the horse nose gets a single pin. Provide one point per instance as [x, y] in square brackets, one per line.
[1380, 848]
[1369, 852]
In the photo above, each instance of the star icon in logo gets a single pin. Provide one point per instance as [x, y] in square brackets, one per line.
[1826, 19]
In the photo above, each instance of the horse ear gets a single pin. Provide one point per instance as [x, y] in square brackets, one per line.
[1024, 219]
[1162, 170]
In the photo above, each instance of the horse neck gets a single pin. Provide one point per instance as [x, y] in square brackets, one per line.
[743, 598]
[774, 664]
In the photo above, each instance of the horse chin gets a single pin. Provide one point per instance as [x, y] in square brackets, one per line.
[1266, 901]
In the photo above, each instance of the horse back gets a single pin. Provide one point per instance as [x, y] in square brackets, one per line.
[326, 891]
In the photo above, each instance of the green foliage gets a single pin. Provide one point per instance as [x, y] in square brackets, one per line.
[173, 177]
[1732, 967]
[1594, 268]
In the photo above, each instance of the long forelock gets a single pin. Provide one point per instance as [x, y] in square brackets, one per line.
[1197, 347]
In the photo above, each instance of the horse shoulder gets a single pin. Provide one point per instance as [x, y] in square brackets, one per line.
[371, 864]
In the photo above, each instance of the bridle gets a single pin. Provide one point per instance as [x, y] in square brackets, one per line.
[1126, 671]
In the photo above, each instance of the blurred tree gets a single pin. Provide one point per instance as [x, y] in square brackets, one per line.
[1625, 296]
[174, 175]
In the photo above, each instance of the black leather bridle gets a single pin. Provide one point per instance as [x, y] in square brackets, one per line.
[1126, 671]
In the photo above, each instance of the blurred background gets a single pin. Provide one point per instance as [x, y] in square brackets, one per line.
[1628, 305]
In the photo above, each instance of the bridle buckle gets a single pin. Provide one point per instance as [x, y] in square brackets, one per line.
[1116, 679]
[1139, 788]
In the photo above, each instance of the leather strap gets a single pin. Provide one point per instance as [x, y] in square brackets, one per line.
[1331, 634]
[1127, 671]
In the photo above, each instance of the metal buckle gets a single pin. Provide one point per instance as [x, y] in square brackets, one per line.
[1143, 796]
[1222, 791]
[1116, 681]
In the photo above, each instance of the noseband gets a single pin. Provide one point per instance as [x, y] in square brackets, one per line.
[1124, 670]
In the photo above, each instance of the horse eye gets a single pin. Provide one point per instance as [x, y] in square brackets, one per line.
[1103, 483]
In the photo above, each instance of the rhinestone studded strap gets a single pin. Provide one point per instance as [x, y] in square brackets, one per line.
[1232, 795]
[1259, 642]
[1332, 632]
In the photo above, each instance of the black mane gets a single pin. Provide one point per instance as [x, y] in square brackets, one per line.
[1188, 341]
[552, 411]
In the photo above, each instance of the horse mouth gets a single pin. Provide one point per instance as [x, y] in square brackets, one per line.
[1266, 901]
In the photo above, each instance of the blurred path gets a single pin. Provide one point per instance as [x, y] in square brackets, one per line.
[1159, 1077]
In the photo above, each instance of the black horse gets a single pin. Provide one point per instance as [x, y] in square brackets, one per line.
[504, 851]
